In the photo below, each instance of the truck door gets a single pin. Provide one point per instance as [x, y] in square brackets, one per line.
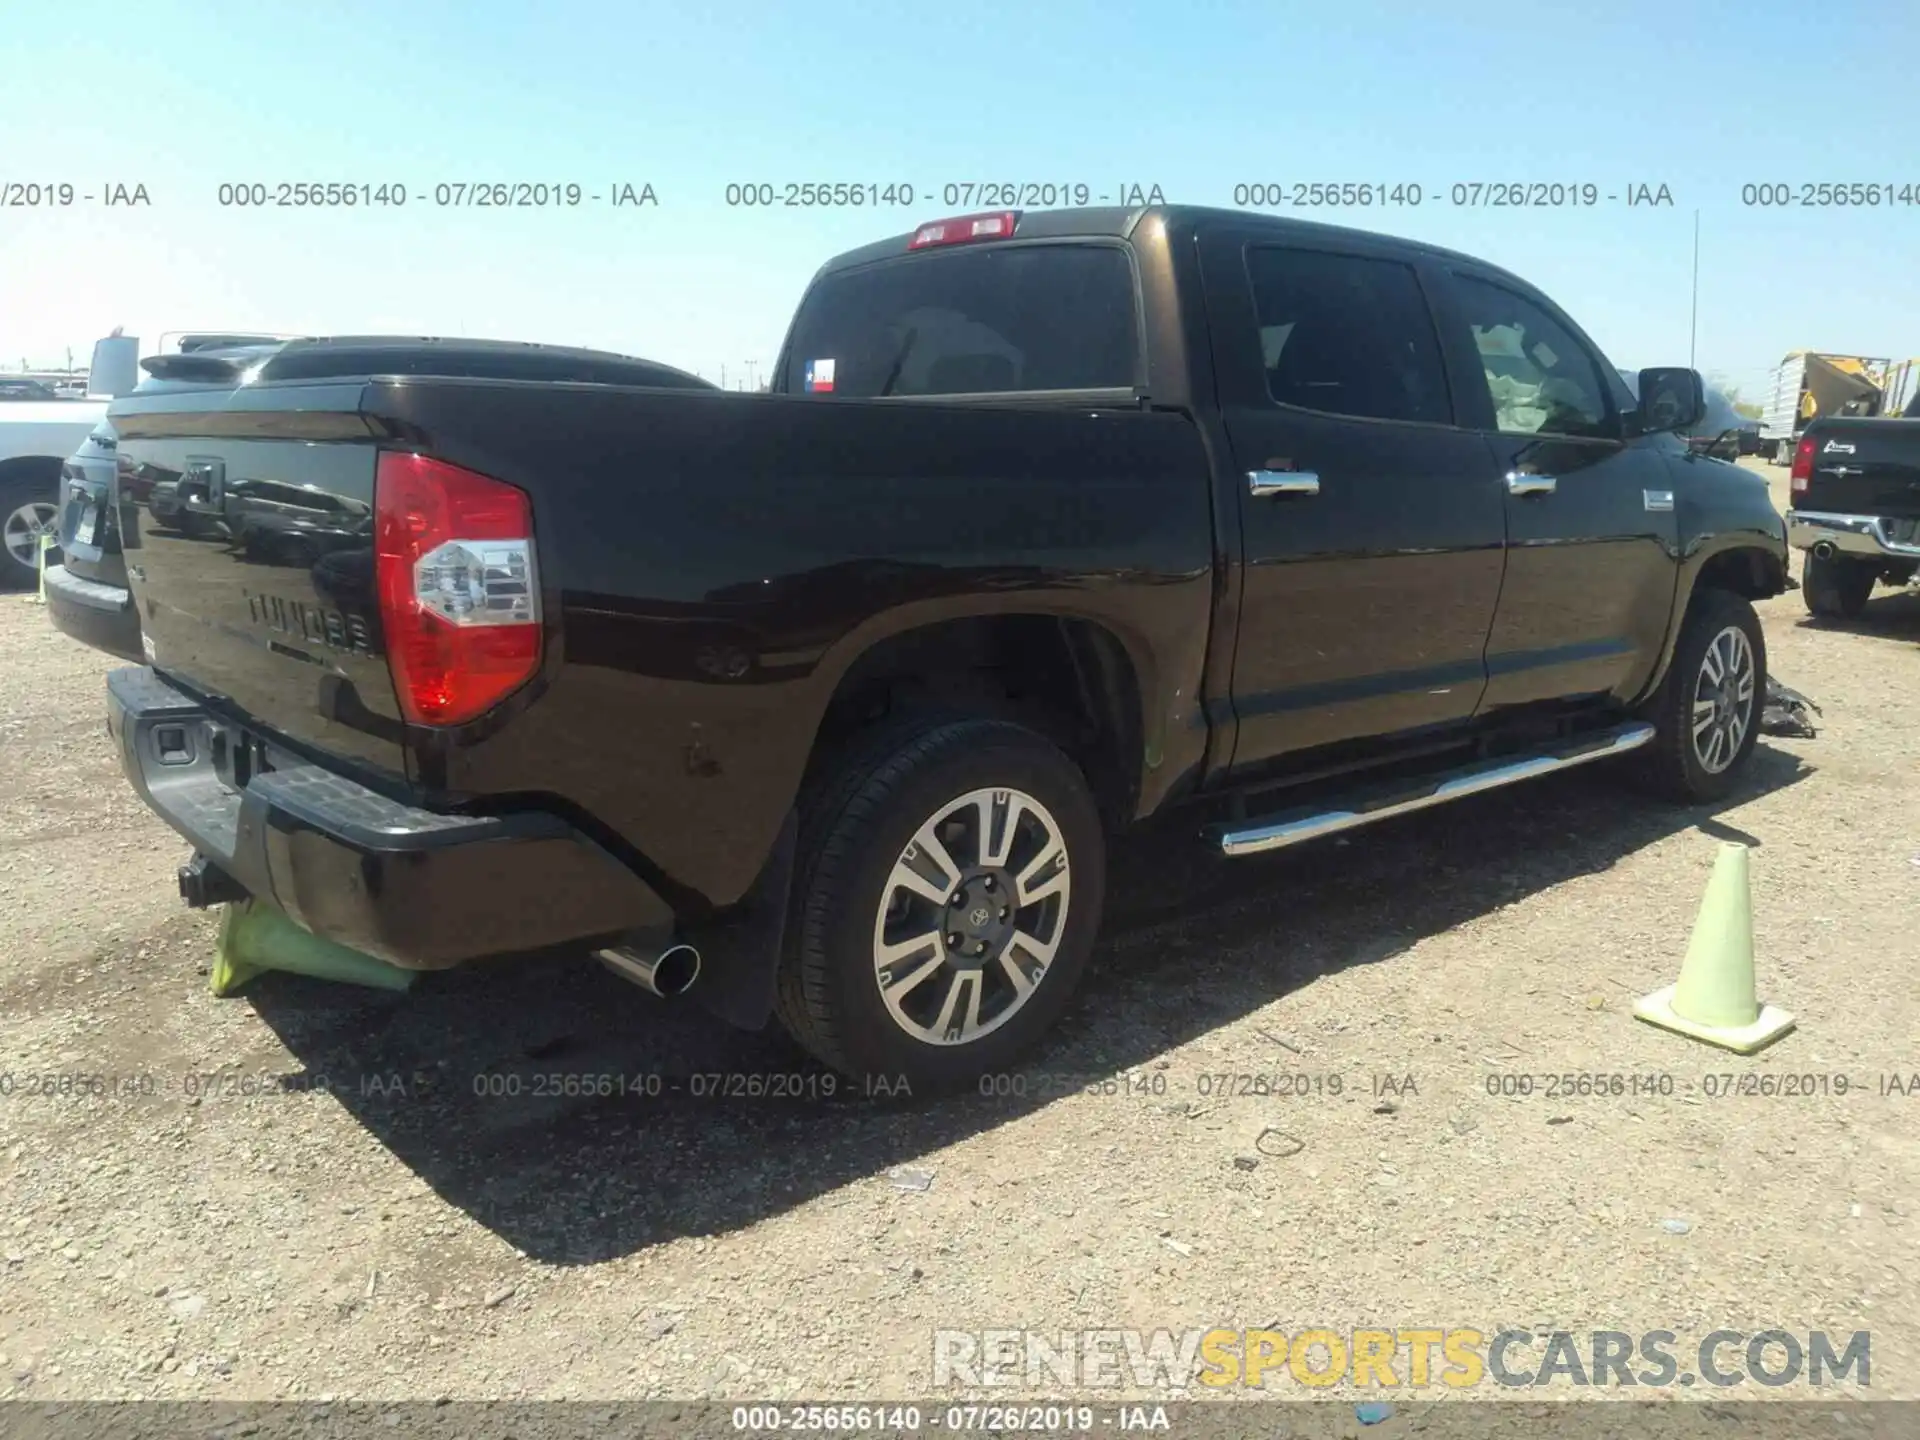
[1591, 525]
[1372, 526]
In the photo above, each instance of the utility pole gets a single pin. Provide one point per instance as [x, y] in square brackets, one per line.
[723, 375]
[1693, 329]
[752, 382]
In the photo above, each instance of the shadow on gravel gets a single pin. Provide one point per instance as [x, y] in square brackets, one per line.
[483, 1081]
[1890, 616]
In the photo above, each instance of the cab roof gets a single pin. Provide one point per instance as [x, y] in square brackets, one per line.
[1122, 222]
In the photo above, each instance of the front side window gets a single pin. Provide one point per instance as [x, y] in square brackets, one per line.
[970, 321]
[1347, 335]
[1541, 380]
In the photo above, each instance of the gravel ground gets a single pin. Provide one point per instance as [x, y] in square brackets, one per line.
[390, 1233]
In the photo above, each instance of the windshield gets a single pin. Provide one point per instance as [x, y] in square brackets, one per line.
[984, 320]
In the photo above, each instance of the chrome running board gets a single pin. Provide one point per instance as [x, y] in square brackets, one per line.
[1310, 823]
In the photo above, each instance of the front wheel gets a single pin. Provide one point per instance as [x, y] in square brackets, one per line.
[952, 886]
[1706, 713]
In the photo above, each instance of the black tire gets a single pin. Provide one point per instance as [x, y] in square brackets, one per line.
[855, 826]
[1837, 587]
[30, 485]
[1672, 764]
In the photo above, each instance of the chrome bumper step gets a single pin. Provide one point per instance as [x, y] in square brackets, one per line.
[1892, 537]
[1273, 832]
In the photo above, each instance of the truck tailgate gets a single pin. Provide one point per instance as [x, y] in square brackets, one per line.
[1865, 467]
[249, 549]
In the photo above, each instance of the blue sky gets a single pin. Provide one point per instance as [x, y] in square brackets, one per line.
[1700, 97]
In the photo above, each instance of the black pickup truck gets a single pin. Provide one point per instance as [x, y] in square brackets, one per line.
[822, 703]
[1855, 510]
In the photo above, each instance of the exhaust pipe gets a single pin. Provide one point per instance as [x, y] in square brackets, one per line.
[664, 970]
[1825, 549]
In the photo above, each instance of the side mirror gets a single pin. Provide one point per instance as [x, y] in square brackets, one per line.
[1671, 399]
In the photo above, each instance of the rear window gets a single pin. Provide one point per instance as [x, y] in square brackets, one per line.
[970, 322]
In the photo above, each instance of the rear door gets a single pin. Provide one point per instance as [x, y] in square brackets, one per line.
[1590, 519]
[1372, 525]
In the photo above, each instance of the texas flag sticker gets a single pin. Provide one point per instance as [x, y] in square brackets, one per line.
[819, 375]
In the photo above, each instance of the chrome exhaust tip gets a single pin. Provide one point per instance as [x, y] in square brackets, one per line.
[1825, 549]
[665, 971]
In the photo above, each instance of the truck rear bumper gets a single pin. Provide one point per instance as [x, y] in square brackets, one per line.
[1871, 535]
[94, 614]
[417, 888]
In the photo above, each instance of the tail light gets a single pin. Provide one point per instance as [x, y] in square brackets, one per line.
[459, 598]
[1802, 473]
[994, 225]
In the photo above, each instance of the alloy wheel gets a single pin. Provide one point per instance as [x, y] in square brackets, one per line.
[23, 530]
[1723, 697]
[971, 916]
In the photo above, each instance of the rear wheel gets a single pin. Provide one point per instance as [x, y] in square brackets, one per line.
[29, 509]
[1706, 713]
[1837, 587]
[950, 895]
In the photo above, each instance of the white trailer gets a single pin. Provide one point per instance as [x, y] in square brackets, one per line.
[1812, 382]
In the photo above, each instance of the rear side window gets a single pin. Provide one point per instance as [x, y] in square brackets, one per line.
[1348, 335]
[970, 322]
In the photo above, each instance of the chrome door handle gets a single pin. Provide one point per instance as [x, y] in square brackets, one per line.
[1282, 482]
[1519, 484]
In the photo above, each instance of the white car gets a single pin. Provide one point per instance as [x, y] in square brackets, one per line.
[38, 431]
[38, 435]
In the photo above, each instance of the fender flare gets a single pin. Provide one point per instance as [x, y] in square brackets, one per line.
[1768, 578]
[1154, 691]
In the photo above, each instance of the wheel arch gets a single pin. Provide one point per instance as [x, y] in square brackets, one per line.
[17, 468]
[1742, 564]
[1077, 678]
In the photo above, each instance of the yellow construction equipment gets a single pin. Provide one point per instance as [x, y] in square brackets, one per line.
[1808, 384]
